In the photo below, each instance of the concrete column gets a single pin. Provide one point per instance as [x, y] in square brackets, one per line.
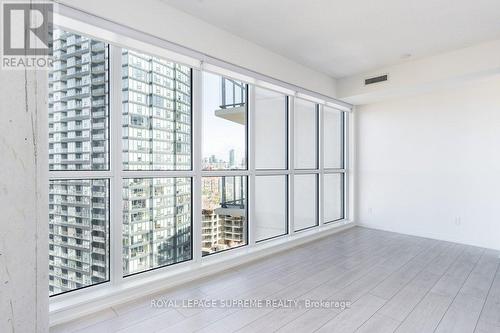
[23, 201]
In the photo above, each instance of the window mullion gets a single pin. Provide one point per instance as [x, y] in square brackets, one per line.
[196, 109]
[291, 163]
[347, 164]
[115, 119]
[321, 151]
[251, 225]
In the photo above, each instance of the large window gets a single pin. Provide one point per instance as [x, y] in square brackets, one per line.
[224, 123]
[305, 202]
[154, 164]
[156, 113]
[78, 103]
[271, 124]
[306, 134]
[78, 114]
[78, 233]
[333, 164]
[333, 201]
[333, 122]
[156, 136]
[224, 213]
[156, 223]
[271, 207]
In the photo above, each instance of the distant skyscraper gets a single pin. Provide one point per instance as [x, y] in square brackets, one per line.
[232, 161]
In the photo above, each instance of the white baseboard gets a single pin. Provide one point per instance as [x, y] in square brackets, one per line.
[423, 235]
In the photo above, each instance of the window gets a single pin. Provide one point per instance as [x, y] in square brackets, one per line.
[156, 223]
[333, 201]
[78, 103]
[78, 141]
[149, 157]
[224, 213]
[224, 123]
[306, 134]
[271, 124]
[271, 197]
[333, 163]
[78, 233]
[156, 97]
[156, 136]
[333, 122]
[305, 202]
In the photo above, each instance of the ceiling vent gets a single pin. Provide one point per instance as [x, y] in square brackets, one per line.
[376, 79]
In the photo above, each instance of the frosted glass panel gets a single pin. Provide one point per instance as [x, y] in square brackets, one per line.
[271, 129]
[305, 135]
[333, 124]
[305, 204]
[333, 197]
[270, 206]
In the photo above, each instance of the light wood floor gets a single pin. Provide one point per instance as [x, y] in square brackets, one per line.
[396, 283]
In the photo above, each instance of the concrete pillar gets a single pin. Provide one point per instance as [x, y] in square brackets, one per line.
[23, 201]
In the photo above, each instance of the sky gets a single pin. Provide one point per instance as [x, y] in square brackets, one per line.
[219, 135]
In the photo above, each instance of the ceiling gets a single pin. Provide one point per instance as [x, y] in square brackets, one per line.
[346, 37]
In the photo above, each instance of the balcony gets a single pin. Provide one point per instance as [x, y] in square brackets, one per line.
[99, 239]
[233, 105]
[99, 250]
[97, 47]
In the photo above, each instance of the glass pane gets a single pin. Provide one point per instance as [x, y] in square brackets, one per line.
[305, 201]
[333, 133]
[306, 135]
[224, 123]
[156, 113]
[156, 223]
[78, 234]
[333, 197]
[78, 103]
[271, 199]
[270, 129]
[224, 211]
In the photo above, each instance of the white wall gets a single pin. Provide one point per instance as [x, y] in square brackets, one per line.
[23, 202]
[429, 165]
[161, 20]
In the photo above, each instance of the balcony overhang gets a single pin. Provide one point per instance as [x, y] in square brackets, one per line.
[236, 114]
[235, 212]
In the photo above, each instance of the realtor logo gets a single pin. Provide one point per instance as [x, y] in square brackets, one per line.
[26, 37]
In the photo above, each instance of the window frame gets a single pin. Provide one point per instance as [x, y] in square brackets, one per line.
[117, 283]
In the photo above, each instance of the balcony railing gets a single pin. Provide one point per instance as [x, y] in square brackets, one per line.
[233, 93]
[233, 196]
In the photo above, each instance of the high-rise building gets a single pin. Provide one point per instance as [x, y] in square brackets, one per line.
[78, 140]
[232, 160]
[223, 213]
[156, 113]
[156, 136]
